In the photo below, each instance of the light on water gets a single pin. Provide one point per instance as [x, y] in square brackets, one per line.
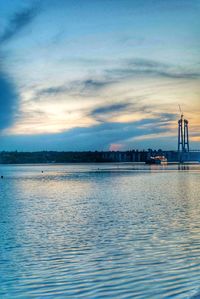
[99, 231]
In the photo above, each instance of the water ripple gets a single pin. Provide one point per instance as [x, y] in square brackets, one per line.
[76, 231]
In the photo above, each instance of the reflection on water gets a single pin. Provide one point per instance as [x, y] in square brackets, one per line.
[183, 167]
[99, 231]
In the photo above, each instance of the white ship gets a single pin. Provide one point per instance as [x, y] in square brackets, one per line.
[157, 160]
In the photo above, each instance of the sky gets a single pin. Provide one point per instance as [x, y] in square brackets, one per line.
[98, 74]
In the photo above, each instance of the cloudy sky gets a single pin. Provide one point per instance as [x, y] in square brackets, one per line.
[98, 74]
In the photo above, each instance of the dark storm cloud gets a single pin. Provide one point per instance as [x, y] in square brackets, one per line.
[18, 22]
[8, 101]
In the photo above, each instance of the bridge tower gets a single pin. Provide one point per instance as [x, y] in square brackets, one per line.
[183, 136]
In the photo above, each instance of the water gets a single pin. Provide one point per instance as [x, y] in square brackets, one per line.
[99, 231]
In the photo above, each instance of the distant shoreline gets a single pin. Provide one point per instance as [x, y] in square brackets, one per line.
[133, 156]
[100, 163]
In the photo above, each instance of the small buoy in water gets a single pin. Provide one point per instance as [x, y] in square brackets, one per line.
[1, 176]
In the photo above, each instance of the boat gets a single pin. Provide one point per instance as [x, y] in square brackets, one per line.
[157, 160]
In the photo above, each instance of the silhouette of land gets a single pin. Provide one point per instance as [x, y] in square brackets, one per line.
[90, 157]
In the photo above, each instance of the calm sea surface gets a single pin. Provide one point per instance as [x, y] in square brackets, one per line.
[99, 231]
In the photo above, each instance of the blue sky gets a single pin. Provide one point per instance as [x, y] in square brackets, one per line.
[98, 74]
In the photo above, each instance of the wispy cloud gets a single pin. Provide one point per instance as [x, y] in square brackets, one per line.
[9, 96]
[124, 69]
[80, 80]
[112, 96]
[81, 87]
[52, 91]
[132, 68]
[18, 22]
[110, 108]
[105, 113]
[96, 137]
